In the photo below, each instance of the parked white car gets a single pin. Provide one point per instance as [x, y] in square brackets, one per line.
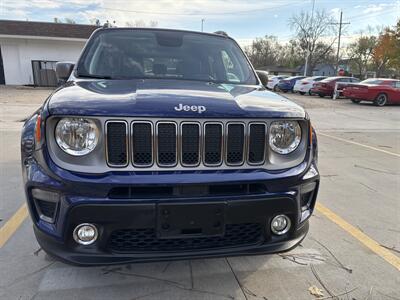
[273, 81]
[304, 86]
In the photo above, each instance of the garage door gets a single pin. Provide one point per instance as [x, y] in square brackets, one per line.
[44, 73]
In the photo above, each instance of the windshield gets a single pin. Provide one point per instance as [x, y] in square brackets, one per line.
[132, 53]
[372, 81]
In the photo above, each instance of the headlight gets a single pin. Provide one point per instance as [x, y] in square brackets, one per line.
[284, 136]
[76, 136]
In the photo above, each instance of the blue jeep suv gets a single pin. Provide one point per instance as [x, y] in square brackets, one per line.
[163, 145]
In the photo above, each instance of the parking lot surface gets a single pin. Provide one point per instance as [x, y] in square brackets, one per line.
[351, 252]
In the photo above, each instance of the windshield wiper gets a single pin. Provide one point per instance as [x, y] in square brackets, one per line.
[94, 76]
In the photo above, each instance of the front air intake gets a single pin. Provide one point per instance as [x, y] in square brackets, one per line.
[166, 144]
[235, 144]
[213, 144]
[142, 144]
[117, 143]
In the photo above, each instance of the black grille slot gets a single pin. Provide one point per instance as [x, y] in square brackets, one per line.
[46, 208]
[256, 143]
[212, 144]
[166, 144]
[176, 191]
[117, 154]
[142, 144]
[235, 144]
[190, 144]
[145, 239]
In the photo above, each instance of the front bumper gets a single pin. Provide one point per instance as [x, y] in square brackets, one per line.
[102, 253]
[249, 200]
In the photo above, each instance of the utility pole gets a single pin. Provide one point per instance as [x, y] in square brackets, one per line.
[202, 24]
[340, 34]
[308, 47]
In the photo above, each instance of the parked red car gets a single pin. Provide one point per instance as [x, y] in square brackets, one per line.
[326, 87]
[379, 91]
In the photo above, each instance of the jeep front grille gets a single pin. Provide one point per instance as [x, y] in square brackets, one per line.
[142, 144]
[166, 144]
[190, 144]
[235, 144]
[256, 152]
[185, 143]
[212, 144]
[117, 143]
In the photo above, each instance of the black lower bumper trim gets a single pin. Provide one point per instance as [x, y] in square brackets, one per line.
[58, 250]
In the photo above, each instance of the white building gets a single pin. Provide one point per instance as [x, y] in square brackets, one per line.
[29, 50]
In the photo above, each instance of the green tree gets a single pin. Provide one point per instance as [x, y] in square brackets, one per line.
[264, 51]
[360, 53]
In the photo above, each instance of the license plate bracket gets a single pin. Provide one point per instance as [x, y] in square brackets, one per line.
[190, 220]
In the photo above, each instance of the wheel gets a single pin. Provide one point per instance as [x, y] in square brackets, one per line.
[322, 96]
[309, 93]
[275, 87]
[381, 100]
[355, 100]
[301, 93]
[285, 91]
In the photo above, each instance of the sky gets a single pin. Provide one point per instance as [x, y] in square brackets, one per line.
[243, 20]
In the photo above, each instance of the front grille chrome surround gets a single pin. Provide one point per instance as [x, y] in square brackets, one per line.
[237, 147]
[213, 158]
[124, 152]
[250, 153]
[186, 155]
[135, 153]
[201, 144]
[164, 152]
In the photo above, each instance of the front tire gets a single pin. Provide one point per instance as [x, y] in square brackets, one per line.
[381, 100]
[322, 96]
[355, 101]
[275, 87]
[302, 93]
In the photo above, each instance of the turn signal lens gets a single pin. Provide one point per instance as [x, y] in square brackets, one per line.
[38, 129]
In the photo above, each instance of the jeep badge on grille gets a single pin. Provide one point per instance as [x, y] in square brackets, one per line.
[195, 108]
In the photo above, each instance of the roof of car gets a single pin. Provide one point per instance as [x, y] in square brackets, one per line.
[216, 34]
[383, 79]
[336, 77]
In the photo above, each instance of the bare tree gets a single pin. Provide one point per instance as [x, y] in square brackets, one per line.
[70, 21]
[141, 23]
[314, 35]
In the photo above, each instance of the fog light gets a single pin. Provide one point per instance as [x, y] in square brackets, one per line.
[280, 224]
[85, 234]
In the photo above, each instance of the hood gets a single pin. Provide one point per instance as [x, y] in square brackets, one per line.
[169, 98]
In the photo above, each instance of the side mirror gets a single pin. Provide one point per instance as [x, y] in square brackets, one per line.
[263, 78]
[63, 70]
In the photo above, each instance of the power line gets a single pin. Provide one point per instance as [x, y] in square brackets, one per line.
[308, 46]
[239, 12]
[340, 34]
